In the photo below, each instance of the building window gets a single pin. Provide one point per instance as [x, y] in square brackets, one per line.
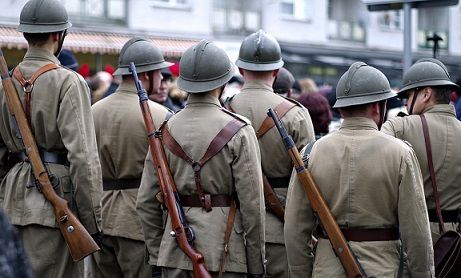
[391, 20]
[430, 21]
[238, 17]
[100, 11]
[296, 9]
[347, 20]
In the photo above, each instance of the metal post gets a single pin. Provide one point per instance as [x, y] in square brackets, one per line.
[407, 60]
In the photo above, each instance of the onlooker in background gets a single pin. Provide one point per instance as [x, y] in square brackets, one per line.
[99, 84]
[84, 71]
[320, 112]
[116, 80]
[336, 119]
[232, 88]
[68, 60]
[284, 82]
[161, 95]
[178, 96]
[13, 258]
[308, 85]
[458, 100]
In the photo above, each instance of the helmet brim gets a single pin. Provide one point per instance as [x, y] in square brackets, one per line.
[125, 70]
[403, 93]
[351, 101]
[43, 28]
[260, 66]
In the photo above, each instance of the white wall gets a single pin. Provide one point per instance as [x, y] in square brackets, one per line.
[285, 29]
[454, 45]
[193, 20]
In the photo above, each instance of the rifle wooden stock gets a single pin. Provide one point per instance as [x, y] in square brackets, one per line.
[168, 186]
[79, 241]
[272, 200]
[319, 206]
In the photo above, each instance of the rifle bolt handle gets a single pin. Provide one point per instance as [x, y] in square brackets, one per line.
[173, 234]
[70, 229]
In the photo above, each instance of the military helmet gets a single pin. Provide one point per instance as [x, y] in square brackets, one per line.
[260, 52]
[362, 84]
[284, 81]
[426, 72]
[145, 55]
[204, 67]
[43, 16]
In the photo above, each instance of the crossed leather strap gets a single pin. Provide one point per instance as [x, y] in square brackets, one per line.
[28, 85]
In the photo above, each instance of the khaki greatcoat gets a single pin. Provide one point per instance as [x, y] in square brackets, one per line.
[445, 134]
[61, 123]
[369, 180]
[122, 144]
[253, 102]
[236, 168]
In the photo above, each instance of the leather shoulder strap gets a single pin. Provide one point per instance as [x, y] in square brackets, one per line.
[28, 85]
[221, 139]
[430, 163]
[30, 82]
[268, 123]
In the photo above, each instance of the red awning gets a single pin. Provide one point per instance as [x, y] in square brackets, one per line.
[97, 42]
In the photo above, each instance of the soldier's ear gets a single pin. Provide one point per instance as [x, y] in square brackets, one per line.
[426, 94]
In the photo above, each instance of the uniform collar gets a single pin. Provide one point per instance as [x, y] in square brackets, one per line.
[204, 98]
[35, 53]
[359, 123]
[256, 84]
[127, 87]
[441, 109]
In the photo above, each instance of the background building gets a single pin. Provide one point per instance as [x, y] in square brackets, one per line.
[319, 38]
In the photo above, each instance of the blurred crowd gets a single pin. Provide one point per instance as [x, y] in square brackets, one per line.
[318, 99]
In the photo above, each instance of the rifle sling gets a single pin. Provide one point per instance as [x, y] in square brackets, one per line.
[427, 141]
[227, 235]
[218, 142]
[28, 85]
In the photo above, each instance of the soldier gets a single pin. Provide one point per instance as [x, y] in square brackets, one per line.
[372, 184]
[208, 189]
[57, 105]
[427, 86]
[122, 145]
[258, 62]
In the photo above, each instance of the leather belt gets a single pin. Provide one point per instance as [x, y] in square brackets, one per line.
[353, 234]
[447, 215]
[120, 184]
[219, 200]
[279, 182]
[48, 157]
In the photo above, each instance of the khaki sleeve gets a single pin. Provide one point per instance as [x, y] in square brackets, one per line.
[300, 127]
[246, 168]
[413, 219]
[75, 124]
[149, 210]
[299, 222]
[392, 127]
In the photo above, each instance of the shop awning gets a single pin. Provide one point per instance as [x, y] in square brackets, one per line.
[97, 42]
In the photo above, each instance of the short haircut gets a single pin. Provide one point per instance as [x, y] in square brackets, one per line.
[442, 94]
[36, 39]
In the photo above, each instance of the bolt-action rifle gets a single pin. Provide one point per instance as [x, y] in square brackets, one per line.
[319, 206]
[79, 241]
[181, 231]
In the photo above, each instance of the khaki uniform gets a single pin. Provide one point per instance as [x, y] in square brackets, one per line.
[253, 102]
[445, 134]
[369, 180]
[236, 168]
[122, 144]
[62, 123]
